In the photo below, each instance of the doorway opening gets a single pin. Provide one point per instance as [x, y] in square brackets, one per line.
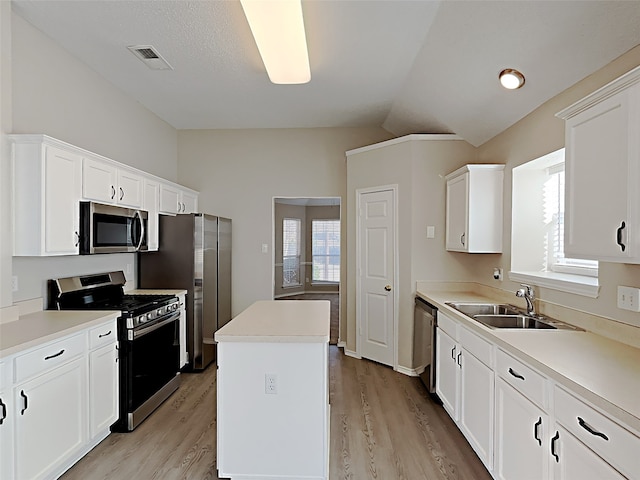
[307, 252]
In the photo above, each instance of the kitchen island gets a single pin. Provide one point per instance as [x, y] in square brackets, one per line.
[273, 393]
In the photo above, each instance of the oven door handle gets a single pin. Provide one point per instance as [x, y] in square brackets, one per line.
[142, 232]
[139, 333]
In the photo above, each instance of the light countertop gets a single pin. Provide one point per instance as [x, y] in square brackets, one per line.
[603, 371]
[44, 326]
[279, 321]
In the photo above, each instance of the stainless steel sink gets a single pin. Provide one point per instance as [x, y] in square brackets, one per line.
[511, 321]
[503, 315]
[471, 309]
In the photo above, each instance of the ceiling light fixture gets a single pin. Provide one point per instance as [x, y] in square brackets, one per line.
[278, 29]
[511, 79]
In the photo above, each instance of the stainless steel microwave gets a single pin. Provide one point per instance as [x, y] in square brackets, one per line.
[111, 229]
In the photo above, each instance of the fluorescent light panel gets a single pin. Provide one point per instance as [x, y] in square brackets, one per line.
[278, 29]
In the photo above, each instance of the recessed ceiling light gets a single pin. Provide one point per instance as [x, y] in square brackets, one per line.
[511, 79]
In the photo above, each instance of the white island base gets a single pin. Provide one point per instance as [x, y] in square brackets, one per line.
[273, 393]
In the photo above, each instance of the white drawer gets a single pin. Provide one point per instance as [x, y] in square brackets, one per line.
[524, 379]
[103, 335]
[606, 438]
[447, 325]
[478, 347]
[49, 356]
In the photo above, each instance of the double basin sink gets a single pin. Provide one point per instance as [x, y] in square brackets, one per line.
[501, 315]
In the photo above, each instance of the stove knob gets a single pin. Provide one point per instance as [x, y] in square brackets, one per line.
[175, 306]
[149, 316]
[159, 311]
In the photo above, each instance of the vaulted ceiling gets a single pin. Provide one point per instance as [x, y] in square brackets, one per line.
[416, 66]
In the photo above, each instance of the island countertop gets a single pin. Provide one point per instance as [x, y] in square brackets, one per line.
[279, 321]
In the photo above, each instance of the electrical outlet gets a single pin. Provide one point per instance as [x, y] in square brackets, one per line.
[629, 298]
[14, 283]
[270, 383]
[129, 269]
[265, 248]
[497, 273]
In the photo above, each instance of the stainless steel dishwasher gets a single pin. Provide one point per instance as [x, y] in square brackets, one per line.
[424, 342]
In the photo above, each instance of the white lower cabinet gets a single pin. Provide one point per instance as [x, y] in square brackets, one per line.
[103, 389]
[465, 384]
[51, 419]
[522, 440]
[6, 426]
[574, 460]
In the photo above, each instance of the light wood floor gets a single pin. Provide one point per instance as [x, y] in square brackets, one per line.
[383, 426]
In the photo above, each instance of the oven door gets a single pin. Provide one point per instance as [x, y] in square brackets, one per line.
[149, 366]
[111, 229]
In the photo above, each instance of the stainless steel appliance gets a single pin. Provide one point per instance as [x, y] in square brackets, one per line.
[194, 254]
[148, 339]
[424, 342]
[111, 229]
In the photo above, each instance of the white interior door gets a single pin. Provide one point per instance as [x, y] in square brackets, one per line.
[375, 294]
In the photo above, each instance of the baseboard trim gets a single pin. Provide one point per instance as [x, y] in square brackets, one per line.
[341, 344]
[411, 372]
[351, 353]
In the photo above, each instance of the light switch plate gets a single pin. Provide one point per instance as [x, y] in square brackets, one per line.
[431, 231]
[629, 298]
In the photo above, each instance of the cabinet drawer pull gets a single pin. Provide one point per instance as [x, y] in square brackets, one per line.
[515, 374]
[535, 430]
[4, 411]
[55, 355]
[459, 362]
[77, 239]
[26, 402]
[619, 236]
[462, 239]
[591, 430]
[453, 353]
[104, 334]
[553, 446]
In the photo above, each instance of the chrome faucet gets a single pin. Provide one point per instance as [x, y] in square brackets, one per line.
[527, 293]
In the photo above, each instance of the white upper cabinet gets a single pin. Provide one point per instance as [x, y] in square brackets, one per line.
[151, 204]
[106, 183]
[474, 209]
[47, 189]
[175, 200]
[602, 173]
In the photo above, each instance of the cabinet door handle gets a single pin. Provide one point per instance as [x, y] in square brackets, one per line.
[553, 446]
[459, 360]
[26, 402]
[453, 353]
[54, 355]
[113, 192]
[4, 411]
[590, 429]
[619, 236]
[535, 430]
[77, 238]
[104, 334]
[121, 193]
[515, 374]
[462, 239]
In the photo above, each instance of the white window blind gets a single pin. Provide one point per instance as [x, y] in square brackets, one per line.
[290, 252]
[553, 212]
[325, 246]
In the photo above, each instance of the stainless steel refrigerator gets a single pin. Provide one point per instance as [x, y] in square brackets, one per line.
[194, 254]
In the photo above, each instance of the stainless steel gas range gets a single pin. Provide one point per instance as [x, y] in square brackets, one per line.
[148, 336]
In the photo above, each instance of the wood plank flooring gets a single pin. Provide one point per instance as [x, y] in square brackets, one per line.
[383, 426]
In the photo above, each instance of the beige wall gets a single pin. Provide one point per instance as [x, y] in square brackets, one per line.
[55, 94]
[540, 133]
[417, 167]
[239, 172]
[5, 163]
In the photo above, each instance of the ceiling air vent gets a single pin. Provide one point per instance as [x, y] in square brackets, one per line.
[150, 56]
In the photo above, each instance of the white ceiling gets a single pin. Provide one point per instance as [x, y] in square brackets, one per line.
[416, 66]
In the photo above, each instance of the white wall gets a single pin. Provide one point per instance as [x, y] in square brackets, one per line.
[238, 172]
[55, 94]
[538, 134]
[5, 163]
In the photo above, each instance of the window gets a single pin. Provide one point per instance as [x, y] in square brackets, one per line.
[537, 248]
[291, 252]
[325, 250]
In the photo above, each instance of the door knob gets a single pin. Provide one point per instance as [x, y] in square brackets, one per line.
[387, 288]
